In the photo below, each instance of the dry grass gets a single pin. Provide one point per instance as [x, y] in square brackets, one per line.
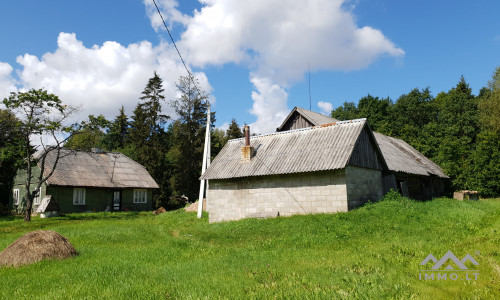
[36, 246]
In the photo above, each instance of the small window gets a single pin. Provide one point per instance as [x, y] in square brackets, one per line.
[78, 196]
[38, 197]
[140, 196]
[16, 197]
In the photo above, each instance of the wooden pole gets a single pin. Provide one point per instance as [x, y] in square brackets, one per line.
[206, 151]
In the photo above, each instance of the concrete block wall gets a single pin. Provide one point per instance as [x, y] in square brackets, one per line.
[268, 196]
[363, 185]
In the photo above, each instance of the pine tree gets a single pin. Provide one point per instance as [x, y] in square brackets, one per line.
[147, 140]
[117, 132]
[234, 131]
[189, 137]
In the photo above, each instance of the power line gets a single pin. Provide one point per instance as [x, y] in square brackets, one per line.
[191, 77]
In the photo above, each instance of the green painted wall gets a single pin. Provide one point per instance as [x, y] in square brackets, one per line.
[96, 199]
[19, 183]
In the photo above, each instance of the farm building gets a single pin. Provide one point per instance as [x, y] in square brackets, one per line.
[315, 164]
[319, 169]
[415, 175]
[90, 180]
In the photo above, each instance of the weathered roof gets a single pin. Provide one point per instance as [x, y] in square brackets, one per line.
[401, 157]
[311, 149]
[313, 117]
[104, 170]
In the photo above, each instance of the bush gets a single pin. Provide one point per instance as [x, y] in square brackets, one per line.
[4, 210]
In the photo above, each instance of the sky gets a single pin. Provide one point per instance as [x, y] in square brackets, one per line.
[255, 58]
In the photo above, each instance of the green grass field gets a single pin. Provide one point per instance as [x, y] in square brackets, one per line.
[370, 253]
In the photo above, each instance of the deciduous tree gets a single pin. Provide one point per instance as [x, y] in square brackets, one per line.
[40, 113]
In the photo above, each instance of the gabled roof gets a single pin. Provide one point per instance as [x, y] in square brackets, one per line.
[401, 157]
[79, 168]
[313, 117]
[311, 149]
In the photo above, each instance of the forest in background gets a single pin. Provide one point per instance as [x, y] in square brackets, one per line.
[456, 129]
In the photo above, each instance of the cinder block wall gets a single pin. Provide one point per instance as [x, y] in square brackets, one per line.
[266, 196]
[363, 185]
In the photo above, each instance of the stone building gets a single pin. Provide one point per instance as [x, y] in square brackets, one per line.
[322, 169]
[413, 175]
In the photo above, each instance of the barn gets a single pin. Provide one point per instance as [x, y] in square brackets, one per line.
[89, 181]
[315, 164]
[413, 174]
[322, 169]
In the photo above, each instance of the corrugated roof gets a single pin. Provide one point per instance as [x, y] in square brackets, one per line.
[315, 118]
[401, 157]
[296, 151]
[104, 170]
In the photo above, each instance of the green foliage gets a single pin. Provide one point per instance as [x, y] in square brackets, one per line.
[188, 134]
[117, 132]
[234, 131]
[11, 153]
[39, 113]
[370, 253]
[89, 134]
[147, 139]
[457, 130]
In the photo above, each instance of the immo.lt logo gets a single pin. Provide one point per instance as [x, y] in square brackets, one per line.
[449, 267]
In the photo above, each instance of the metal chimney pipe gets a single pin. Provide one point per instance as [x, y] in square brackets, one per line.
[247, 135]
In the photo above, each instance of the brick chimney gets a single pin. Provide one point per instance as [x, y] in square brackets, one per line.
[247, 150]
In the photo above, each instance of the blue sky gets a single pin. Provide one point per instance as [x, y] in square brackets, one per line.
[252, 57]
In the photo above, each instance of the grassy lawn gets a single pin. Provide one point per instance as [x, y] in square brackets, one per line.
[372, 252]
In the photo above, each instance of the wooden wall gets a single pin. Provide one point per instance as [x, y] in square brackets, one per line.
[365, 153]
[296, 121]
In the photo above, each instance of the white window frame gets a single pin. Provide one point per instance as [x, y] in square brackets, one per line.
[15, 196]
[38, 199]
[140, 196]
[79, 196]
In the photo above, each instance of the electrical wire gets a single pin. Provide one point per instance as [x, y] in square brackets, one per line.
[191, 77]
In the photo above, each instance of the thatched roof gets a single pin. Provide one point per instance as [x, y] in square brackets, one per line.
[296, 151]
[35, 246]
[401, 157]
[314, 118]
[105, 170]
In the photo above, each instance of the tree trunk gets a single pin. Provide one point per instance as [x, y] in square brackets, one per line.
[27, 213]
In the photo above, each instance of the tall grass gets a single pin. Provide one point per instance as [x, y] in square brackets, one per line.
[371, 252]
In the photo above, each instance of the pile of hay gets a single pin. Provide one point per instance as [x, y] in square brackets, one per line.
[193, 207]
[35, 246]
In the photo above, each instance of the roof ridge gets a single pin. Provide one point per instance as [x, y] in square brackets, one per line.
[302, 129]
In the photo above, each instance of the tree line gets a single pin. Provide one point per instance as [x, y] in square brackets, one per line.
[456, 129]
[171, 150]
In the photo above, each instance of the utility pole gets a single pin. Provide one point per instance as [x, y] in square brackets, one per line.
[206, 160]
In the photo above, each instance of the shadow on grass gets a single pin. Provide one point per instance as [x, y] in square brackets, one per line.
[100, 215]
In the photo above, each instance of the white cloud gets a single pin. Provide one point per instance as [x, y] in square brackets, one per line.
[326, 107]
[169, 11]
[224, 126]
[277, 40]
[103, 78]
[269, 105]
[7, 83]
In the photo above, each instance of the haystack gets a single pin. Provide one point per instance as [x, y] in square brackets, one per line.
[35, 246]
[194, 206]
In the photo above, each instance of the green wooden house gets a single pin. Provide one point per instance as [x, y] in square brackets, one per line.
[90, 181]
